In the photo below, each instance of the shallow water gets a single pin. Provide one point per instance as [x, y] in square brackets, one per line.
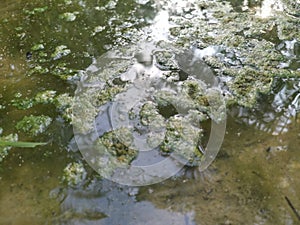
[255, 172]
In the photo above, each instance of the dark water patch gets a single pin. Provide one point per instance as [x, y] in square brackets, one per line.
[272, 35]
[167, 110]
[93, 27]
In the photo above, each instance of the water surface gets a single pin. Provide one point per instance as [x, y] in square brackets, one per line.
[254, 174]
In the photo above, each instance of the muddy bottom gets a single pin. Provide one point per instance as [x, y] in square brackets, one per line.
[254, 180]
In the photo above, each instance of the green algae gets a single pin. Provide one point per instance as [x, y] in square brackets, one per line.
[36, 10]
[38, 70]
[182, 138]
[81, 108]
[247, 84]
[60, 51]
[247, 187]
[151, 117]
[117, 143]
[47, 47]
[242, 35]
[25, 103]
[176, 132]
[108, 94]
[74, 174]
[68, 16]
[63, 103]
[45, 97]
[34, 125]
[97, 30]
[37, 47]
[4, 150]
[64, 72]
[243, 51]
[113, 151]
[246, 54]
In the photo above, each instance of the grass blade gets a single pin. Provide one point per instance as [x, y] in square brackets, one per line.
[21, 144]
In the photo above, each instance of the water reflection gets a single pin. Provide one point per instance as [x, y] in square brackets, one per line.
[275, 111]
[269, 8]
[263, 8]
[252, 177]
[290, 49]
[105, 203]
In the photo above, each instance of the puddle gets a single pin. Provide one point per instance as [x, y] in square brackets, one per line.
[254, 179]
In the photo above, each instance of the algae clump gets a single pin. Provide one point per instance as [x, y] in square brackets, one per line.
[74, 174]
[34, 125]
[4, 150]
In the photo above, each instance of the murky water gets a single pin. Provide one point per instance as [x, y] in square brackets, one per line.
[254, 179]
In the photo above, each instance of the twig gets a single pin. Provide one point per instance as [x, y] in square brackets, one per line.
[292, 207]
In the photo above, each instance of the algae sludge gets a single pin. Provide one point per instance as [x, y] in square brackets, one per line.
[66, 63]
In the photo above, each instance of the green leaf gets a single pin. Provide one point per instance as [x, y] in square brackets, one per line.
[21, 144]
